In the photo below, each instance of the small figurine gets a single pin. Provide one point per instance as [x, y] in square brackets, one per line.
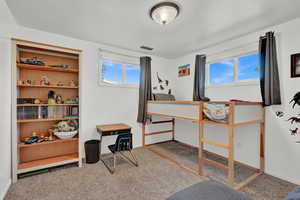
[32, 139]
[20, 82]
[73, 83]
[51, 97]
[60, 83]
[45, 80]
[59, 99]
[37, 101]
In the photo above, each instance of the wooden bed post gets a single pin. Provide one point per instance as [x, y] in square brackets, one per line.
[173, 129]
[262, 142]
[231, 131]
[201, 135]
[143, 134]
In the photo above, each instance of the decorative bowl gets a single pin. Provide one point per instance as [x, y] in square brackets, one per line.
[66, 135]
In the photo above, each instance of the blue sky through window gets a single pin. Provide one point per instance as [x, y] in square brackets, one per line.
[248, 67]
[111, 71]
[222, 72]
[132, 74]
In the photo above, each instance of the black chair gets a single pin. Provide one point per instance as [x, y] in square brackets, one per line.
[123, 143]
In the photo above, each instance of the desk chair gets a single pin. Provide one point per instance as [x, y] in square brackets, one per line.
[123, 143]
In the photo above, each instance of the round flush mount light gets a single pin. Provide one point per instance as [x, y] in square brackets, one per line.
[164, 12]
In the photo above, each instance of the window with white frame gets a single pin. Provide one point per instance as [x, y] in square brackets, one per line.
[233, 70]
[116, 70]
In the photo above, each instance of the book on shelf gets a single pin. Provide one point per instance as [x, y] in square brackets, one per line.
[47, 112]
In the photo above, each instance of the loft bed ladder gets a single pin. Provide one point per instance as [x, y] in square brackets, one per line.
[144, 134]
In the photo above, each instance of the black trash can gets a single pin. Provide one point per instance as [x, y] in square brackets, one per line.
[92, 151]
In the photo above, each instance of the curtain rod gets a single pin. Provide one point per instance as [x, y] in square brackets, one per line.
[120, 54]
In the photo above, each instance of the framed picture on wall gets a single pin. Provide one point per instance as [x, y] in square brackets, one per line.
[295, 65]
[184, 70]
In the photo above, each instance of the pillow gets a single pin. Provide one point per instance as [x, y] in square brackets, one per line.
[209, 190]
[294, 194]
[163, 97]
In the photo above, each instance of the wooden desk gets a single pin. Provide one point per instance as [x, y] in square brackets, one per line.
[111, 129]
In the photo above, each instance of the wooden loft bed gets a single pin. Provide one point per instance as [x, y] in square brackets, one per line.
[240, 114]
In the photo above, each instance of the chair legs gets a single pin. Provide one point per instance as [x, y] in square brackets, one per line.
[131, 160]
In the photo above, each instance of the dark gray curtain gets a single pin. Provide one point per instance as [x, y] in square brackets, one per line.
[145, 91]
[269, 77]
[199, 79]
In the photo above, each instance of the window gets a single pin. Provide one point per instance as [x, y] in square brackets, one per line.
[111, 72]
[132, 74]
[118, 73]
[222, 72]
[233, 70]
[248, 67]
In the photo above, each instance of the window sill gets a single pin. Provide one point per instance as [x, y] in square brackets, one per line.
[118, 85]
[236, 84]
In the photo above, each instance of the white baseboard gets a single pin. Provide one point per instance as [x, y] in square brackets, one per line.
[291, 180]
[5, 189]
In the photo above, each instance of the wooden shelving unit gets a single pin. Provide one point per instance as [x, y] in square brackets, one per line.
[46, 163]
[36, 156]
[45, 68]
[45, 120]
[21, 145]
[30, 105]
[48, 86]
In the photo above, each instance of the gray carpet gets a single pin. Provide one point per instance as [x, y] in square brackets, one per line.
[154, 179]
[265, 187]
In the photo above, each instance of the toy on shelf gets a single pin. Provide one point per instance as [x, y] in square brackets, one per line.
[37, 101]
[59, 99]
[32, 61]
[29, 82]
[60, 83]
[34, 138]
[66, 129]
[60, 66]
[72, 101]
[73, 83]
[44, 81]
[51, 97]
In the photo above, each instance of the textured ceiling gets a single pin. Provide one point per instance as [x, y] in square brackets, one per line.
[126, 23]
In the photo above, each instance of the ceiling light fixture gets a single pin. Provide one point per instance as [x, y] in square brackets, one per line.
[164, 12]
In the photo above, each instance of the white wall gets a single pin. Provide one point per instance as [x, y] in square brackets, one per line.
[282, 153]
[6, 25]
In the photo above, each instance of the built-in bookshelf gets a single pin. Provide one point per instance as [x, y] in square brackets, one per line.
[46, 92]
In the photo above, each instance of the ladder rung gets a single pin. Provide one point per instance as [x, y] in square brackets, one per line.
[159, 132]
[216, 164]
[214, 143]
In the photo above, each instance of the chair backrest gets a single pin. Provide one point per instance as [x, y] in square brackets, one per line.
[124, 142]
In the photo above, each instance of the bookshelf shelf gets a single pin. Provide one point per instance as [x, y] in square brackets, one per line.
[47, 162]
[45, 68]
[37, 105]
[47, 86]
[29, 119]
[45, 120]
[22, 145]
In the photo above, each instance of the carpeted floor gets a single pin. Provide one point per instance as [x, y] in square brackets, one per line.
[265, 187]
[154, 179]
